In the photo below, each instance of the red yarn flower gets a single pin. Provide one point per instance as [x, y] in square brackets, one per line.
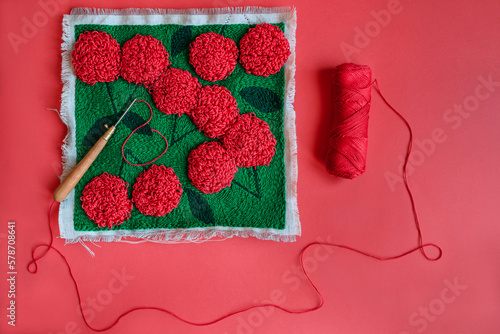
[216, 111]
[105, 200]
[157, 191]
[250, 141]
[213, 56]
[144, 59]
[96, 57]
[176, 92]
[210, 168]
[264, 50]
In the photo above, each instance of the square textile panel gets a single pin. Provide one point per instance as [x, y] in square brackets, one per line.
[221, 133]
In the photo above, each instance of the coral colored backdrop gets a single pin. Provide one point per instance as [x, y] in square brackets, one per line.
[436, 61]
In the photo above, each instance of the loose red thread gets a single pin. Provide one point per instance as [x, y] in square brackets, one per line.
[176, 92]
[210, 167]
[213, 56]
[216, 111]
[228, 315]
[105, 200]
[96, 57]
[349, 136]
[213, 150]
[264, 50]
[250, 141]
[130, 135]
[157, 191]
[144, 58]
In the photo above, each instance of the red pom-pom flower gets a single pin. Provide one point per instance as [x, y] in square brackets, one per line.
[157, 191]
[216, 111]
[213, 56]
[210, 168]
[250, 141]
[264, 50]
[96, 57]
[105, 200]
[176, 92]
[144, 58]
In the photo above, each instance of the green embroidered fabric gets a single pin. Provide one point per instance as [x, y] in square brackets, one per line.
[256, 197]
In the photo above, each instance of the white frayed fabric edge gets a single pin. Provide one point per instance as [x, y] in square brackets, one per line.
[191, 11]
[138, 16]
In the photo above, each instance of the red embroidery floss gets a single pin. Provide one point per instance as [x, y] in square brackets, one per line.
[349, 135]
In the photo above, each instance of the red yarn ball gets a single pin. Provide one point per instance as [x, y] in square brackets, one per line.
[213, 56]
[96, 57]
[157, 191]
[210, 168]
[144, 59]
[264, 50]
[176, 92]
[105, 200]
[250, 141]
[216, 111]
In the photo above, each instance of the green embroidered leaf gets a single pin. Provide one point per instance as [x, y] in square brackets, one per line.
[180, 40]
[200, 208]
[98, 129]
[262, 99]
[133, 121]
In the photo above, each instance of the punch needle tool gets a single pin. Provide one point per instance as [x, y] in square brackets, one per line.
[72, 179]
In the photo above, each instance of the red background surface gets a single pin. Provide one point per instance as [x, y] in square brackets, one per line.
[428, 58]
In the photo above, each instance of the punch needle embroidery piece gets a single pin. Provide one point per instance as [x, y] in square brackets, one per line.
[231, 143]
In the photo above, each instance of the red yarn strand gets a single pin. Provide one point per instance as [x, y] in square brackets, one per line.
[230, 314]
[405, 178]
[130, 135]
[420, 247]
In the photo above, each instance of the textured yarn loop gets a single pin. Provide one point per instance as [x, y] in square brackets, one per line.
[130, 135]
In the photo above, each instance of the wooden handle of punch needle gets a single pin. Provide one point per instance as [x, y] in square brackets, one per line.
[76, 174]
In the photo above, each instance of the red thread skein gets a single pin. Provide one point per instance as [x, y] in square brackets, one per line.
[349, 135]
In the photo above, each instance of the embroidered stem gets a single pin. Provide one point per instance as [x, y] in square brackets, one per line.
[257, 187]
[128, 153]
[129, 99]
[184, 135]
[174, 140]
[256, 179]
[108, 89]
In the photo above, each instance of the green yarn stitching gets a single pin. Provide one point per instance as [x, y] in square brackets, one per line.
[256, 198]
